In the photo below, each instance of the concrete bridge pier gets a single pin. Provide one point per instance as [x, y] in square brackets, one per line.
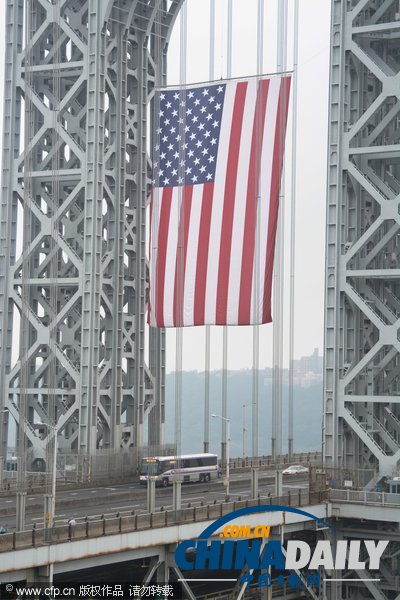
[177, 494]
[161, 568]
[158, 567]
[162, 575]
[20, 510]
[254, 482]
[151, 494]
[278, 483]
[40, 575]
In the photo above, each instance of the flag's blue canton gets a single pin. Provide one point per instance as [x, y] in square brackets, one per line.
[188, 125]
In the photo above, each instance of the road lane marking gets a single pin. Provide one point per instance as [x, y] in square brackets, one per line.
[128, 506]
[196, 498]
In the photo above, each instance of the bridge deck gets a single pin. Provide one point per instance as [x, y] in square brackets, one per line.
[130, 537]
[135, 536]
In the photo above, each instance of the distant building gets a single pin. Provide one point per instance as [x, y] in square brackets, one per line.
[308, 364]
[307, 371]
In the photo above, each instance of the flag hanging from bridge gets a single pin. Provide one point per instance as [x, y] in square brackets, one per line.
[217, 162]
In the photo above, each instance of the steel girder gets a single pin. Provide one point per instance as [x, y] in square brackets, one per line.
[79, 77]
[362, 312]
[359, 584]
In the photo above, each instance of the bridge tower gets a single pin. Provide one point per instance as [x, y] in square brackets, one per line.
[79, 78]
[362, 333]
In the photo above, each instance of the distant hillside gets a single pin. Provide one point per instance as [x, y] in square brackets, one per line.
[307, 412]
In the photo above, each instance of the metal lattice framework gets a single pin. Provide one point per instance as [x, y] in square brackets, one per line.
[362, 344]
[79, 77]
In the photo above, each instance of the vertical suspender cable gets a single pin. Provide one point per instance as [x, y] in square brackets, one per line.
[256, 330]
[25, 336]
[225, 331]
[293, 222]
[155, 198]
[276, 309]
[208, 330]
[180, 253]
[206, 443]
[282, 253]
[53, 247]
[229, 42]
[279, 263]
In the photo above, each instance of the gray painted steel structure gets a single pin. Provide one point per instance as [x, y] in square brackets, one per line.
[362, 347]
[79, 78]
[362, 306]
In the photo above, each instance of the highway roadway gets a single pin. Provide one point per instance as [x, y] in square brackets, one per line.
[122, 498]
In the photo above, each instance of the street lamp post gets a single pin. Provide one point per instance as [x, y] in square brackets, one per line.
[3, 458]
[244, 430]
[227, 442]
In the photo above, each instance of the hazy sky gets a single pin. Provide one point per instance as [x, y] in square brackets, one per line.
[313, 78]
[313, 74]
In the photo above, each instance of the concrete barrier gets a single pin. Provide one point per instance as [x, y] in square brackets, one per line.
[160, 519]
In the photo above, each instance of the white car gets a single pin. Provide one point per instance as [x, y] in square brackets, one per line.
[295, 470]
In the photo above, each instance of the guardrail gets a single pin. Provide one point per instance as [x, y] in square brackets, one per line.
[160, 519]
[35, 482]
[364, 497]
[268, 461]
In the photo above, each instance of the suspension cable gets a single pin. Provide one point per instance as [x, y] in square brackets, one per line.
[293, 224]
[53, 247]
[25, 328]
[160, 80]
[256, 328]
[279, 262]
[225, 329]
[180, 249]
[206, 443]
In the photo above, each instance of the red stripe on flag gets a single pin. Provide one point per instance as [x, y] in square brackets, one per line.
[249, 233]
[150, 258]
[202, 254]
[163, 227]
[229, 204]
[180, 266]
[279, 143]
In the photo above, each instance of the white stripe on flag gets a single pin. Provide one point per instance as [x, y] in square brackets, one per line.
[218, 204]
[155, 223]
[191, 256]
[172, 245]
[267, 155]
[235, 269]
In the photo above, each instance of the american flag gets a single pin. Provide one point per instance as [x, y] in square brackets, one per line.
[217, 162]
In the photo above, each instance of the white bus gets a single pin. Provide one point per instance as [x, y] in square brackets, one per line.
[189, 467]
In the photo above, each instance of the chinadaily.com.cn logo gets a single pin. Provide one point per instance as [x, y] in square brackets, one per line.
[232, 544]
